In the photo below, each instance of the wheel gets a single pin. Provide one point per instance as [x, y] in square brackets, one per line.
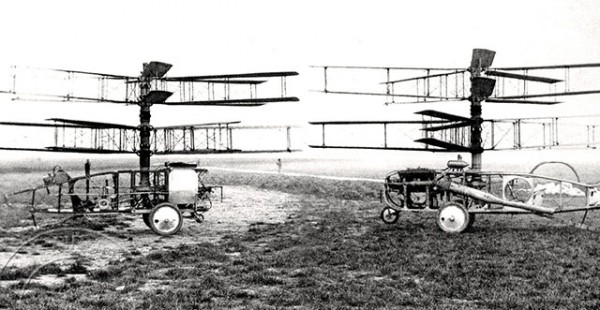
[389, 215]
[165, 219]
[518, 189]
[103, 204]
[146, 218]
[472, 218]
[453, 218]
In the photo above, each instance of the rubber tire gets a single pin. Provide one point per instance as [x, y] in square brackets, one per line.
[471, 215]
[146, 218]
[152, 221]
[472, 218]
[389, 217]
[440, 218]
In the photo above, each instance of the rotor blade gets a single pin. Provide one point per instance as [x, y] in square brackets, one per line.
[89, 99]
[38, 125]
[541, 146]
[497, 100]
[65, 150]
[423, 77]
[389, 68]
[215, 81]
[84, 150]
[449, 126]
[443, 98]
[24, 149]
[482, 87]
[374, 122]
[511, 120]
[112, 76]
[587, 65]
[445, 145]
[65, 123]
[234, 102]
[89, 124]
[68, 98]
[234, 76]
[157, 96]
[155, 69]
[263, 127]
[572, 93]
[215, 151]
[523, 77]
[269, 151]
[380, 148]
[196, 151]
[482, 58]
[448, 116]
[215, 124]
[250, 82]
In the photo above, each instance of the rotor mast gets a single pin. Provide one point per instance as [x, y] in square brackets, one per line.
[481, 88]
[144, 128]
[150, 72]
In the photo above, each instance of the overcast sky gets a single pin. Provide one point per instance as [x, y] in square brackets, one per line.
[211, 37]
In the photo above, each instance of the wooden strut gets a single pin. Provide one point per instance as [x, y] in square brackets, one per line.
[33, 208]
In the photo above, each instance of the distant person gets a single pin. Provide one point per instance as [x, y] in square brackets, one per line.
[279, 165]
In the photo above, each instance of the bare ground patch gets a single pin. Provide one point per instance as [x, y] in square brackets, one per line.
[242, 207]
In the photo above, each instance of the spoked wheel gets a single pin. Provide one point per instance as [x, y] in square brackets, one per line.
[453, 218]
[389, 215]
[165, 219]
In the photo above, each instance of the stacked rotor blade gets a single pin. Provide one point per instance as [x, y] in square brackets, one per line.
[479, 83]
[151, 87]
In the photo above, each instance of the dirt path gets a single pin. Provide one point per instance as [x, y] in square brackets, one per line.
[241, 207]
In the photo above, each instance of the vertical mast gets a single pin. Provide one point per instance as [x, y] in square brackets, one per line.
[481, 88]
[151, 71]
[144, 151]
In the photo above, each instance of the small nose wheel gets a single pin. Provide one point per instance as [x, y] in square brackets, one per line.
[389, 215]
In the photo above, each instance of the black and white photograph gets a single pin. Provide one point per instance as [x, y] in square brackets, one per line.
[299, 154]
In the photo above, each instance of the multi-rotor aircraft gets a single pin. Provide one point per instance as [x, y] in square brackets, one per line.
[160, 195]
[454, 193]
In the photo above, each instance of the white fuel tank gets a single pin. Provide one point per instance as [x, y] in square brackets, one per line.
[183, 184]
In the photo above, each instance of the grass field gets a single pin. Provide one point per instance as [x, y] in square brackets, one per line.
[333, 252]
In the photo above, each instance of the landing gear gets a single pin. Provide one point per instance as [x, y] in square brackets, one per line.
[389, 215]
[146, 218]
[198, 217]
[471, 221]
[165, 219]
[453, 218]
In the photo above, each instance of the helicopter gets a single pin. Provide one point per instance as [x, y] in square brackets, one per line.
[162, 196]
[461, 190]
